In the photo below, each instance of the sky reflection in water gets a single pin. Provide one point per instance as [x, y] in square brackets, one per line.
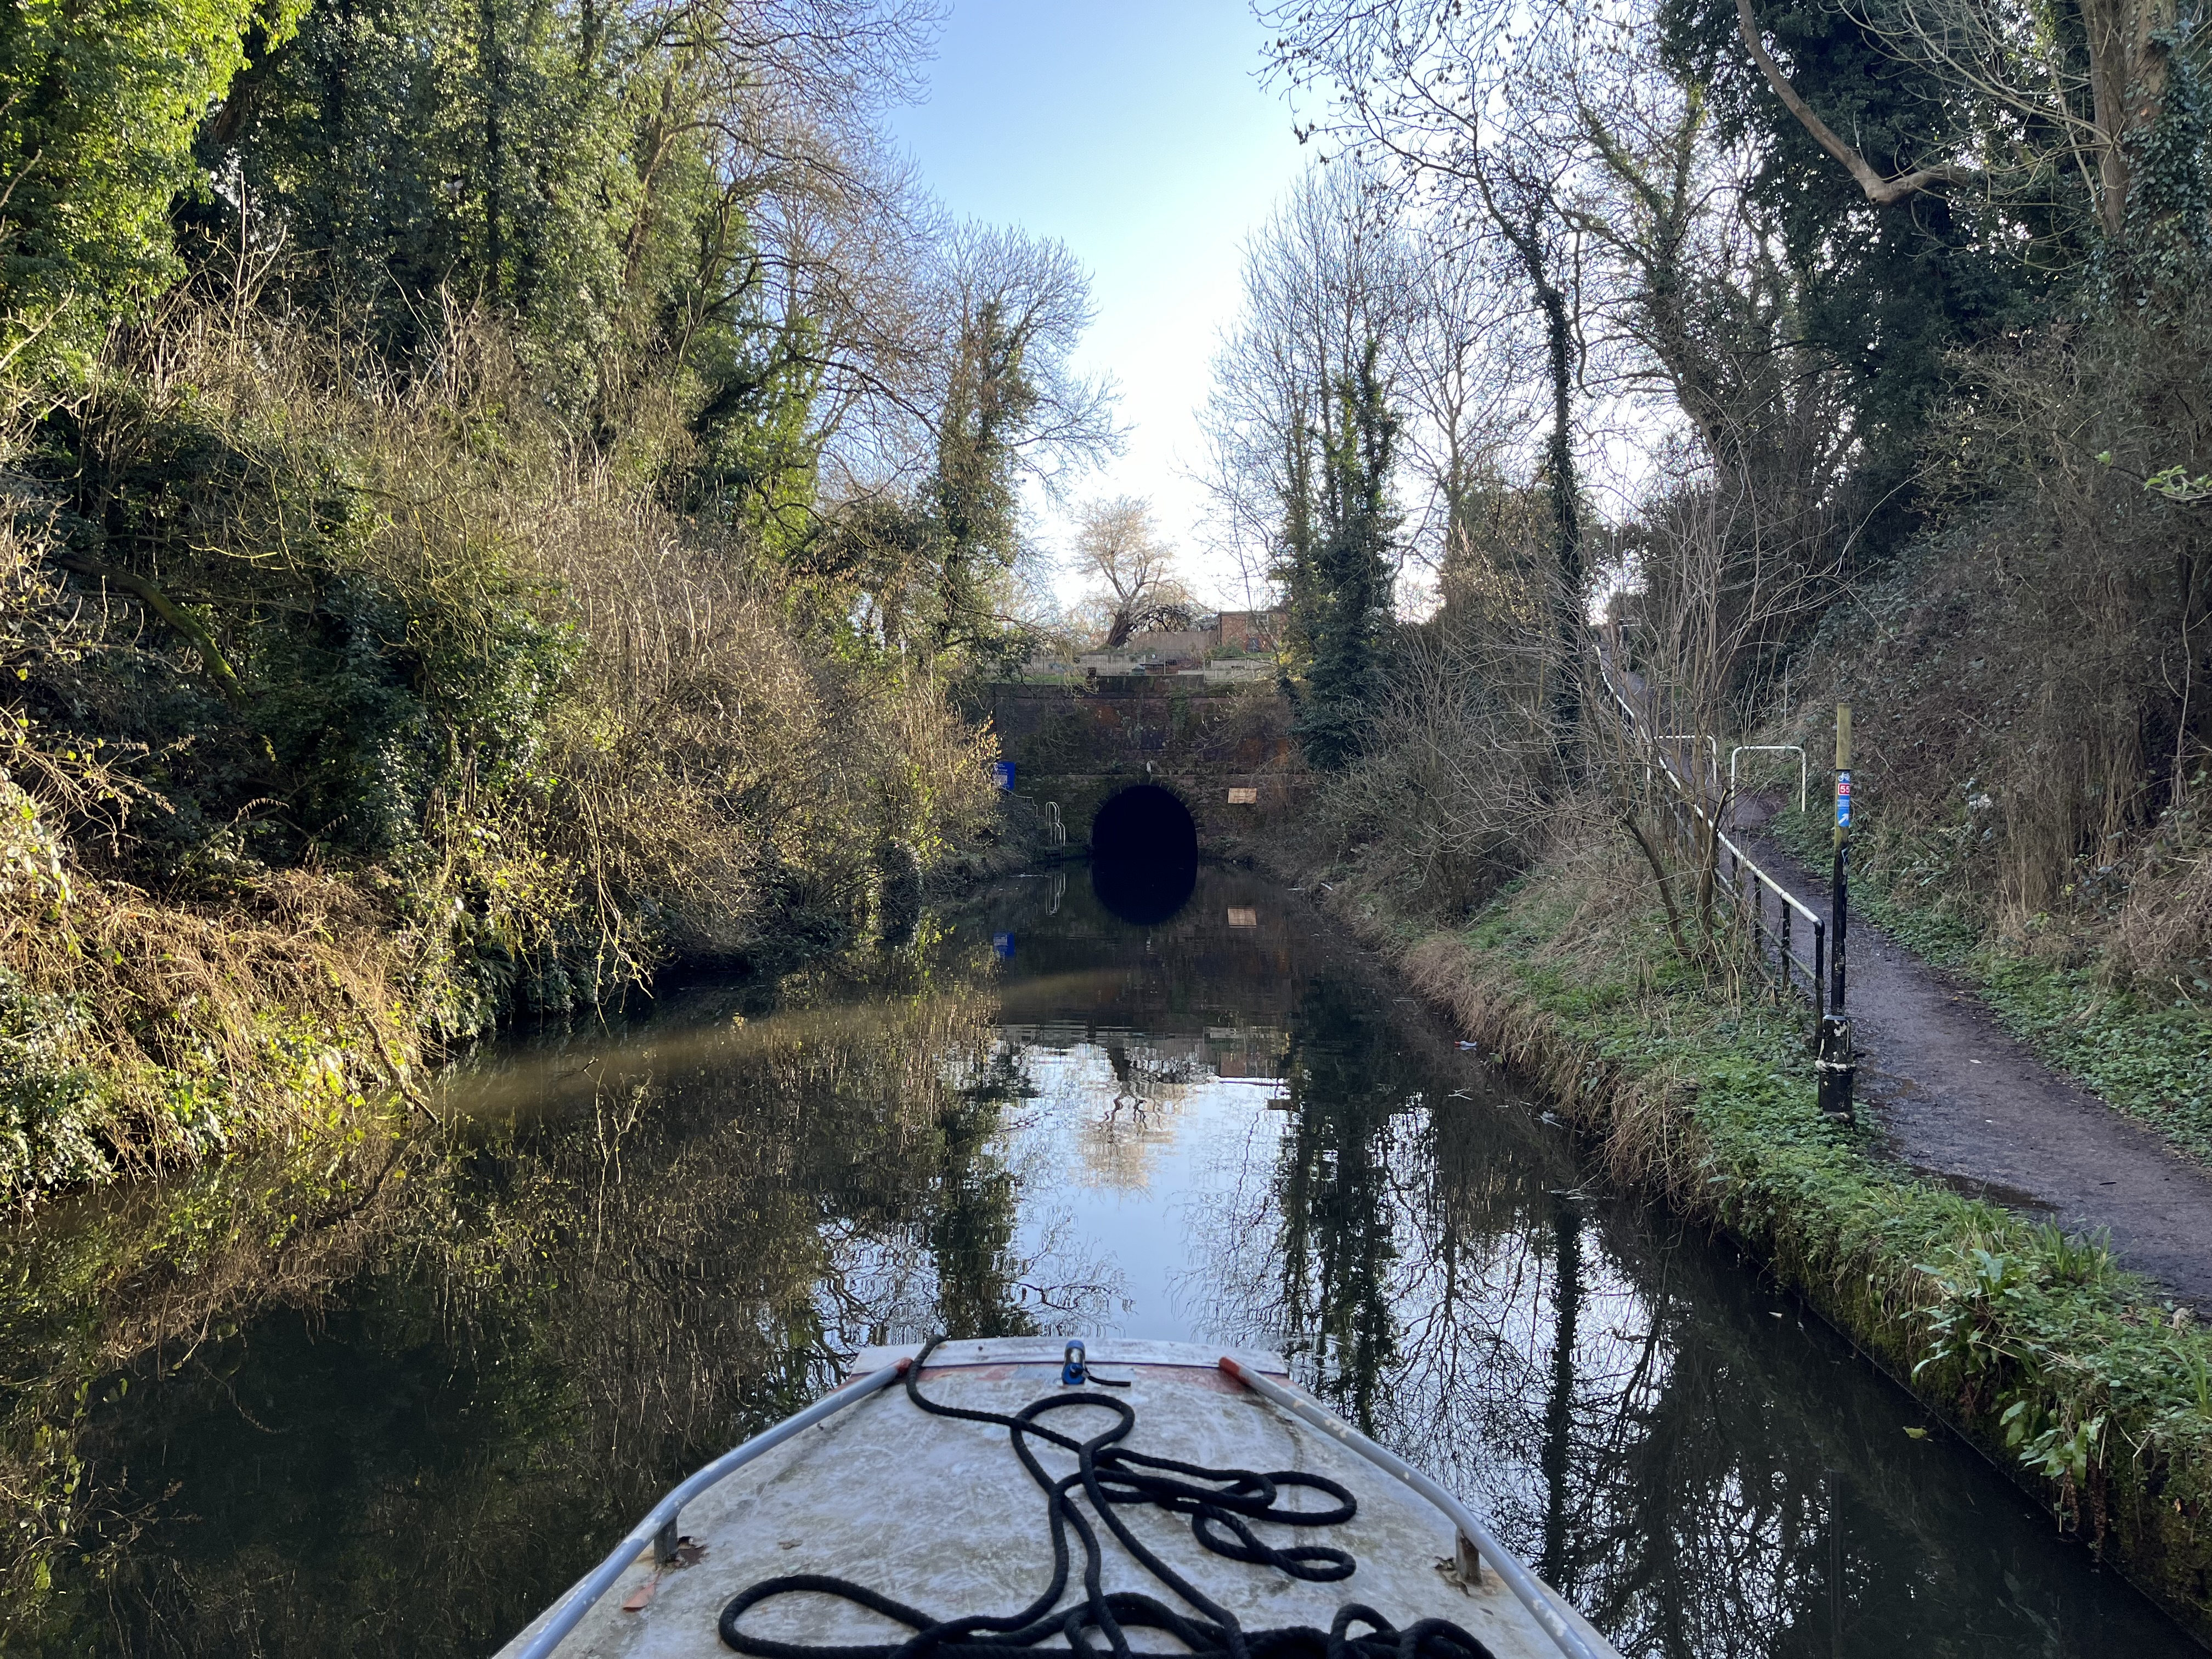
[1218, 1124]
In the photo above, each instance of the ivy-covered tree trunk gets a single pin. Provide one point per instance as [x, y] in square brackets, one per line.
[1294, 566]
[1348, 583]
[975, 488]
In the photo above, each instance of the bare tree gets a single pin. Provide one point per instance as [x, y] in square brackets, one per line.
[1451, 100]
[1327, 274]
[1467, 370]
[1130, 572]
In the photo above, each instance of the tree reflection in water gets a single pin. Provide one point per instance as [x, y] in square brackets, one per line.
[389, 1392]
[1617, 1396]
[530, 1328]
[1334, 1192]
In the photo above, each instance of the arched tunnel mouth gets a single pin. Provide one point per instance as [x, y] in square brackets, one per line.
[1144, 854]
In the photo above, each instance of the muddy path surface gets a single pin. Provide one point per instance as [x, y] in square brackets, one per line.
[1959, 1098]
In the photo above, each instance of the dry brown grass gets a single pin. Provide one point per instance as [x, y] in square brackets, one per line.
[1638, 1120]
[2029, 687]
[666, 763]
[711, 764]
[168, 1032]
[1458, 779]
[2166, 922]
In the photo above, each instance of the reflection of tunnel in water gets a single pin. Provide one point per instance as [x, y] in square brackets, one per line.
[1144, 854]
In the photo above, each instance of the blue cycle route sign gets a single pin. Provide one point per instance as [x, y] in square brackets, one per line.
[1002, 774]
[1843, 801]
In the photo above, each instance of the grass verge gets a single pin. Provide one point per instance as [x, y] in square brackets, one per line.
[2145, 1051]
[2032, 1343]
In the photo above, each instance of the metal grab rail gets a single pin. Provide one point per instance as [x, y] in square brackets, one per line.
[1545, 1605]
[659, 1527]
[1749, 898]
[1042, 817]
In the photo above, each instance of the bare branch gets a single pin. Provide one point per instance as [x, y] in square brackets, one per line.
[1881, 192]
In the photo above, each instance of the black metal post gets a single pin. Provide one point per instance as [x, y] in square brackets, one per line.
[1839, 907]
[1820, 987]
[1836, 1063]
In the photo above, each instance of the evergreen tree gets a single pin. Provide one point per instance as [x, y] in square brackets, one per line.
[1885, 292]
[988, 405]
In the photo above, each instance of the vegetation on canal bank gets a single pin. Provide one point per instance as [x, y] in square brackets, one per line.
[1692, 1084]
[1639, 336]
[1881, 458]
[457, 721]
[2142, 1042]
[492, 500]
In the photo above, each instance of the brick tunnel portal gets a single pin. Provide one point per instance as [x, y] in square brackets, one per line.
[1223, 755]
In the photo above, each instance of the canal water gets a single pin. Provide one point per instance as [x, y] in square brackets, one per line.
[389, 1396]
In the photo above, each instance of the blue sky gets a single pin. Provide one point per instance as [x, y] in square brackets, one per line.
[1138, 134]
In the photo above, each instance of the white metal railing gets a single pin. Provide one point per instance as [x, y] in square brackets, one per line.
[1741, 878]
[1042, 817]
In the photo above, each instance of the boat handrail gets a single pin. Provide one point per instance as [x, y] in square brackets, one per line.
[1544, 1604]
[662, 1516]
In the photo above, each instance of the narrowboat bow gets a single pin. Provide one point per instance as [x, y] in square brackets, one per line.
[976, 1500]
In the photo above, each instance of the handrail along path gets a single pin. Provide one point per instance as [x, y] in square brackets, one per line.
[1750, 897]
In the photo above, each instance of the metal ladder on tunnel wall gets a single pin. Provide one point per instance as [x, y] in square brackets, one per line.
[1040, 816]
[1738, 875]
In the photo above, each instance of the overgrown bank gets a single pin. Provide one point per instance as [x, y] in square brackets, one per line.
[349, 713]
[2068, 1372]
[2142, 1041]
[492, 500]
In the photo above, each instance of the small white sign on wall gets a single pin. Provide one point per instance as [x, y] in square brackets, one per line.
[1243, 797]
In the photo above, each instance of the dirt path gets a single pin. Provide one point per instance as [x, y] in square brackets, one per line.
[1962, 1100]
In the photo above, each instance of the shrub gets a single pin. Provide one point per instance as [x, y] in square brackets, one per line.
[349, 714]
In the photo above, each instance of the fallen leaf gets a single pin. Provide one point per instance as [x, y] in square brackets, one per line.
[641, 1595]
[1916, 1434]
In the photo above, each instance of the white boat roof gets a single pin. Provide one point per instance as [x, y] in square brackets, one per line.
[938, 1514]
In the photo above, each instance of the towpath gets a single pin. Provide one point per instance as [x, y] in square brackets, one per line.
[1960, 1099]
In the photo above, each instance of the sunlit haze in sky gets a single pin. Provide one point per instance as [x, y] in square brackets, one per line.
[1138, 134]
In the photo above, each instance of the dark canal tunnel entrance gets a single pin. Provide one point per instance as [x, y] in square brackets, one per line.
[1144, 854]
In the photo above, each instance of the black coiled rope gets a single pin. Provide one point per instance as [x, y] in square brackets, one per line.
[1221, 1503]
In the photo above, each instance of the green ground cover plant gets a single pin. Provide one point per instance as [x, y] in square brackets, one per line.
[1692, 1083]
[2142, 1043]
